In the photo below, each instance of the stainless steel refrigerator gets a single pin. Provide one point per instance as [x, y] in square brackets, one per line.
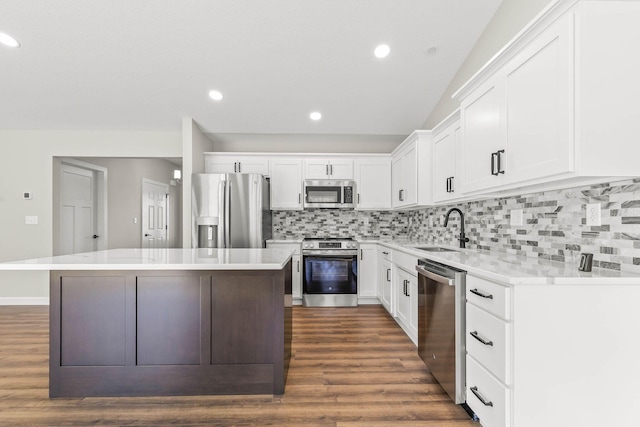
[230, 210]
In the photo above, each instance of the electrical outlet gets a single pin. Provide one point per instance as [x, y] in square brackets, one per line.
[594, 217]
[430, 221]
[366, 221]
[517, 217]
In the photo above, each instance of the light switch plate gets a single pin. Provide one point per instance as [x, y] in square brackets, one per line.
[517, 217]
[31, 219]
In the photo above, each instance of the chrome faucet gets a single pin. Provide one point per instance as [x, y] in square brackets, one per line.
[462, 238]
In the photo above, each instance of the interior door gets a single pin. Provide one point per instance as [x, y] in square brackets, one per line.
[77, 210]
[154, 214]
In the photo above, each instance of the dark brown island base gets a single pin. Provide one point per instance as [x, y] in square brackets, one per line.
[169, 332]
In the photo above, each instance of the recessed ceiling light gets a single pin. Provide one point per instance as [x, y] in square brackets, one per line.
[7, 40]
[215, 95]
[315, 116]
[433, 50]
[382, 51]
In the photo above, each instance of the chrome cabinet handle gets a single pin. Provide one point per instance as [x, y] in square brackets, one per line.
[326, 170]
[298, 266]
[475, 391]
[358, 198]
[330, 169]
[235, 166]
[388, 271]
[361, 254]
[95, 236]
[479, 338]
[480, 294]
[299, 197]
[500, 153]
[407, 288]
[385, 253]
[451, 184]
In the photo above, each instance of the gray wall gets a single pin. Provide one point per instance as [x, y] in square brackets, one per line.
[124, 202]
[509, 19]
[28, 166]
[292, 143]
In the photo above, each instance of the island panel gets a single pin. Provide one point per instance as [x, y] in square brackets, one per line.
[253, 321]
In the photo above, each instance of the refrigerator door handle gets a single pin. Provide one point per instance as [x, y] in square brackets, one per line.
[227, 215]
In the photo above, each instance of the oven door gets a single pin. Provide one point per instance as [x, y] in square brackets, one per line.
[330, 274]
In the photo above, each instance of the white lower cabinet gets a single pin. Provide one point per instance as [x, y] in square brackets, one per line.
[367, 271]
[405, 293]
[296, 267]
[559, 354]
[385, 278]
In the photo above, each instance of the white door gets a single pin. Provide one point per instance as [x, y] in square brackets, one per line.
[154, 214]
[77, 210]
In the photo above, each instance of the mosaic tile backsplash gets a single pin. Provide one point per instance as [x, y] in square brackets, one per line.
[554, 224]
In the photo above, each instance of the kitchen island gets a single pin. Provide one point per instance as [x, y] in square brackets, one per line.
[145, 322]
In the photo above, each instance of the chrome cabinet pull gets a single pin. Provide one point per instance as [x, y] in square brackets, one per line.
[475, 391]
[479, 338]
[480, 294]
[326, 170]
[330, 169]
[451, 184]
[407, 287]
[298, 266]
[361, 254]
[358, 198]
[493, 164]
[299, 197]
[385, 253]
[235, 166]
[388, 271]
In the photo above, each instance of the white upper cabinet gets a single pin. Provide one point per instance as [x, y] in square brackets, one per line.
[373, 183]
[446, 146]
[234, 163]
[286, 184]
[559, 102]
[411, 172]
[517, 125]
[328, 168]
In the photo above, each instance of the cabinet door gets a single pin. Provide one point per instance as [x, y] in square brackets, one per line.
[222, 163]
[252, 165]
[367, 270]
[402, 299]
[482, 136]
[384, 280]
[341, 169]
[286, 184]
[413, 306]
[316, 168]
[296, 277]
[373, 183]
[444, 167]
[404, 177]
[539, 102]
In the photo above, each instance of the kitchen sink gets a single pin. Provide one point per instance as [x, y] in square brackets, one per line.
[435, 249]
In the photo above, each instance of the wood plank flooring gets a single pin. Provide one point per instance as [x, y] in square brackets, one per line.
[351, 367]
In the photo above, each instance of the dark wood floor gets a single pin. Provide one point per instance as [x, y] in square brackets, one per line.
[350, 367]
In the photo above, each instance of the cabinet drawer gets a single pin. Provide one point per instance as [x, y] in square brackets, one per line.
[495, 411]
[385, 253]
[405, 261]
[489, 341]
[490, 296]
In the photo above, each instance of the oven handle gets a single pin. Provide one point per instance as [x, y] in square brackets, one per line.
[331, 253]
[434, 276]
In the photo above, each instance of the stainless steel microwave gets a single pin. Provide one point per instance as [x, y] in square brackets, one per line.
[328, 193]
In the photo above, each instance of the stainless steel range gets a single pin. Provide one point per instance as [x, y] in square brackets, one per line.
[330, 272]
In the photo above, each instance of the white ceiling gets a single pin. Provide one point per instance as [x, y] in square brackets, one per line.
[145, 64]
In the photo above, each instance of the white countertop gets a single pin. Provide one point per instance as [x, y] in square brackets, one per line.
[160, 259]
[513, 269]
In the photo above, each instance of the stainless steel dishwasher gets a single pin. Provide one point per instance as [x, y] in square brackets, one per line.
[441, 325]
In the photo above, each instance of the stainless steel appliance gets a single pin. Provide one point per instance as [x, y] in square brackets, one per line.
[330, 272]
[441, 325]
[327, 193]
[230, 210]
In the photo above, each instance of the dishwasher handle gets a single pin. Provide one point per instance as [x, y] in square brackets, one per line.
[433, 276]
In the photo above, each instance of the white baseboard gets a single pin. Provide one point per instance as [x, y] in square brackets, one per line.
[368, 301]
[24, 300]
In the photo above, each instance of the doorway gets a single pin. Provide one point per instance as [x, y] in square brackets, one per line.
[155, 202]
[82, 207]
